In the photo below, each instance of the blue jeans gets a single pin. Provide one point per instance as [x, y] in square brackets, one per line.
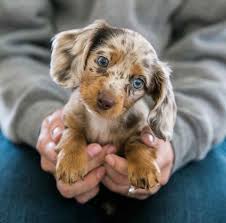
[196, 193]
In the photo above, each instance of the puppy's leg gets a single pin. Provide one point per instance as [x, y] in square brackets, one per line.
[72, 158]
[143, 171]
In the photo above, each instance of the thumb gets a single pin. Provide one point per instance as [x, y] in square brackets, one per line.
[148, 139]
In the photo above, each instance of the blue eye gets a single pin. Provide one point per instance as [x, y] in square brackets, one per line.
[138, 83]
[102, 61]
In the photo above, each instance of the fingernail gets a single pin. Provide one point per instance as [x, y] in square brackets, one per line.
[100, 173]
[56, 132]
[50, 151]
[50, 118]
[150, 138]
[110, 149]
[110, 160]
[93, 150]
[50, 145]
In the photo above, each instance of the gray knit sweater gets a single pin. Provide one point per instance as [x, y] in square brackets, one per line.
[189, 34]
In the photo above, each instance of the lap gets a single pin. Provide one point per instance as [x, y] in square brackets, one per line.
[196, 193]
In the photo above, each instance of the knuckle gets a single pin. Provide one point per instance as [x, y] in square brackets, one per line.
[163, 181]
[81, 200]
[45, 123]
[96, 191]
[44, 165]
[65, 191]
[40, 141]
[38, 145]
[113, 187]
[142, 197]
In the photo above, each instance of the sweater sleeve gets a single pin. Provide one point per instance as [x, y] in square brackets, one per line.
[27, 93]
[198, 59]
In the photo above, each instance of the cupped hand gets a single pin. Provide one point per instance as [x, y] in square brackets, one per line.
[116, 177]
[50, 134]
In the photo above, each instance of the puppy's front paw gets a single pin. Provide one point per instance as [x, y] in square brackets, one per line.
[145, 176]
[71, 166]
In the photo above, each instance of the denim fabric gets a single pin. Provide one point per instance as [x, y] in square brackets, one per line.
[196, 193]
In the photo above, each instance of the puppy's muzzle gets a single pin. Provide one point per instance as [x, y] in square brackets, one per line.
[105, 100]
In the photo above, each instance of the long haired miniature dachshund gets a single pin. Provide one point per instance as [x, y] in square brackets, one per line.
[120, 87]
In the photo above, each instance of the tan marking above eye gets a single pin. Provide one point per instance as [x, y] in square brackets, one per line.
[117, 56]
[136, 69]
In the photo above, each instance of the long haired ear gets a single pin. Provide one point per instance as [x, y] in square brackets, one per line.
[69, 53]
[162, 116]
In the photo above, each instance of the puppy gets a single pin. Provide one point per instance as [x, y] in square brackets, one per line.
[111, 71]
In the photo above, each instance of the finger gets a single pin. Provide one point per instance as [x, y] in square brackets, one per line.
[49, 152]
[43, 136]
[165, 175]
[54, 124]
[90, 181]
[93, 150]
[47, 166]
[141, 197]
[56, 132]
[165, 153]
[148, 139]
[56, 128]
[55, 115]
[109, 149]
[163, 158]
[83, 198]
[115, 176]
[118, 163]
[121, 189]
[143, 192]
[96, 161]
[96, 155]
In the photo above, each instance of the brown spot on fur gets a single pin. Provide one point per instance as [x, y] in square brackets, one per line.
[136, 70]
[117, 56]
[101, 70]
[91, 69]
[123, 42]
[131, 121]
[64, 76]
[145, 63]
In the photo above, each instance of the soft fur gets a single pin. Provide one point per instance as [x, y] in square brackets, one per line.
[74, 65]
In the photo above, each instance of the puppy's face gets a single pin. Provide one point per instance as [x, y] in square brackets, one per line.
[117, 73]
[114, 68]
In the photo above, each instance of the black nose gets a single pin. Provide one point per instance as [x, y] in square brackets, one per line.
[105, 101]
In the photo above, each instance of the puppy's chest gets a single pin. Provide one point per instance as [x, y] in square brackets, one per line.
[116, 132]
[103, 131]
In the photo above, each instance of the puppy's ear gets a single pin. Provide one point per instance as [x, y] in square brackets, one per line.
[162, 116]
[69, 53]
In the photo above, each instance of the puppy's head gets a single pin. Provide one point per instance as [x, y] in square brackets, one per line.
[114, 68]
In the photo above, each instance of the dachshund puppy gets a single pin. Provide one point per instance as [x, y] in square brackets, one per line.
[120, 87]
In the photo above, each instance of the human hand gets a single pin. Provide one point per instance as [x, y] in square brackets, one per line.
[116, 177]
[50, 134]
